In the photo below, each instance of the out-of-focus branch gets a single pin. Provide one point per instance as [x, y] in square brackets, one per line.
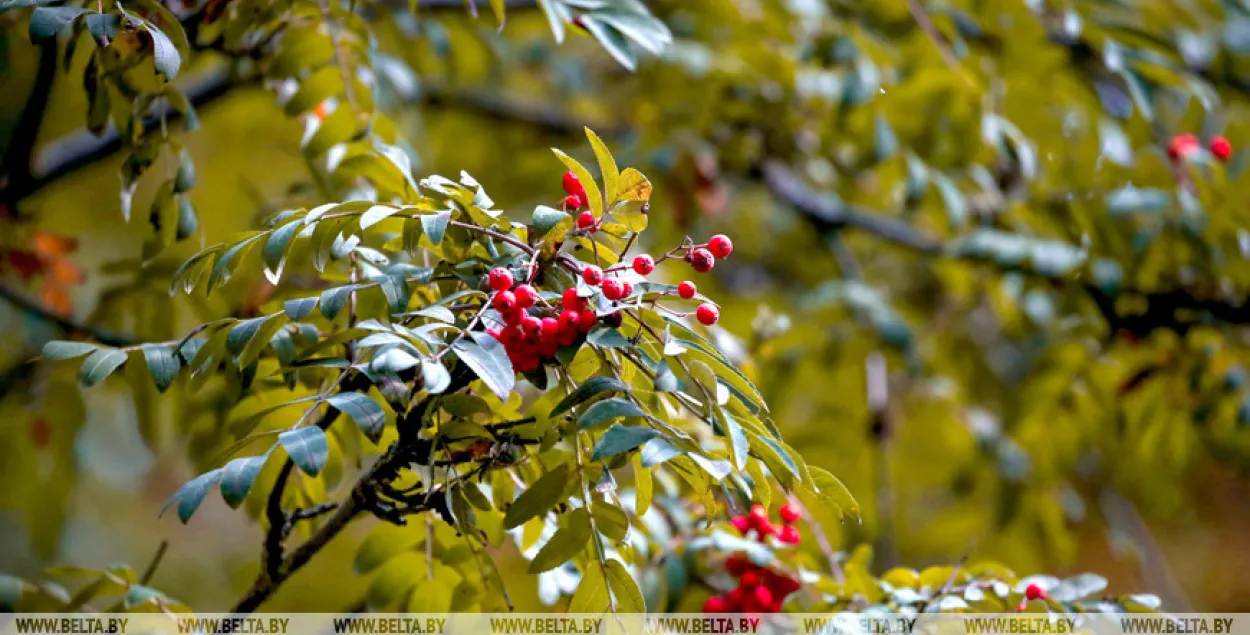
[16, 172]
[37, 310]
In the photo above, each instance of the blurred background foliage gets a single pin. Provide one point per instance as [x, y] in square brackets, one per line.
[970, 199]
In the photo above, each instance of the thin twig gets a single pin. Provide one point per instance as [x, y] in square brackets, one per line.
[37, 310]
[156, 562]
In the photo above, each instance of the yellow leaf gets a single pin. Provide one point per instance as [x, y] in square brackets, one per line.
[607, 166]
[643, 486]
[634, 186]
[624, 589]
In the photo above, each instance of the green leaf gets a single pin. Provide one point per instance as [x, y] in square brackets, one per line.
[435, 225]
[384, 542]
[187, 220]
[376, 214]
[1130, 199]
[61, 349]
[612, 41]
[833, 493]
[607, 410]
[610, 520]
[591, 595]
[9, 5]
[46, 22]
[608, 337]
[275, 247]
[567, 542]
[100, 365]
[434, 376]
[607, 166]
[488, 359]
[624, 588]
[619, 439]
[299, 308]
[225, 265]
[368, 415]
[546, 218]
[237, 477]
[332, 300]
[307, 447]
[162, 364]
[588, 181]
[956, 205]
[539, 497]
[191, 494]
[885, 144]
[557, 14]
[738, 444]
[10, 593]
[589, 389]
[164, 53]
[326, 82]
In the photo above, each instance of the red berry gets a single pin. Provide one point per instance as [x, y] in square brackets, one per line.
[766, 529]
[512, 316]
[627, 289]
[510, 336]
[789, 535]
[1182, 145]
[702, 260]
[571, 183]
[568, 320]
[708, 314]
[759, 514]
[763, 595]
[495, 333]
[687, 290]
[644, 264]
[741, 523]
[572, 301]
[592, 275]
[529, 364]
[1034, 592]
[582, 199]
[737, 565]
[789, 513]
[504, 301]
[586, 320]
[585, 220]
[715, 604]
[549, 349]
[749, 579]
[612, 289]
[1221, 148]
[720, 246]
[500, 279]
[573, 202]
[737, 598]
[550, 330]
[526, 296]
[531, 325]
[782, 585]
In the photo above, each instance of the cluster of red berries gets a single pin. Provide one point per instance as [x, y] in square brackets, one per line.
[1183, 145]
[760, 589]
[576, 198]
[1031, 592]
[527, 338]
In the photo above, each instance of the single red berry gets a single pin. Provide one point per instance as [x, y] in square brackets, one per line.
[586, 320]
[715, 604]
[782, 585]
[763, 595]
[568, 338]
[720, 246]
[585, 220]
[766, 529]
[1221, 148]
[1183, 145]
[592, 275]
[701, 260]
[749, 579]
[687, 290]
[500, 279]
[614, 319]
[571, 183]
[775, 607]
[512, 317]
[568, 320]
[789, 535]
[737, 598]
[627, 289]
[1034, 592]
[548, 349]
[708, 314]
[741, 523]
[573, 202]
[572, 301]
[510, 336]
[582, 199]
[504, 301]
[531, 325]
[529, 364]
[737, 565]
[759, 514]
[789, 513]
[526, 296]
[550, 330]
[612, 289]
[644, 264]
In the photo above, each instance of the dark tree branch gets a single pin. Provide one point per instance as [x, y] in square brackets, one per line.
[16, 178]
[37, 310]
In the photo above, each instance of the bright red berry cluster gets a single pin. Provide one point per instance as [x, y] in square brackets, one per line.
[534, 333]
[760, 589]
[1184, 145]
[576, 198]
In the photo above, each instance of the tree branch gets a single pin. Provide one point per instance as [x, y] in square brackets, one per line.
[37, 310]
[17, 158]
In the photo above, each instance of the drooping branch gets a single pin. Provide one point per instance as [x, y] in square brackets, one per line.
[70, 326]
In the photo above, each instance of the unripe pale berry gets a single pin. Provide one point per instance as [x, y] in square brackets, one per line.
[612, 289]
[585, 220]
[720, 246]
[644, 264]
[500, 279]
[701, 260]
[572, 301]
[504, 301]
[1221, 148]
[687, 290]
[1034, 592]
[592, 275]
[789, 513]
[707, 314]
[573, 202]
[526, 296]
[571, 183]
